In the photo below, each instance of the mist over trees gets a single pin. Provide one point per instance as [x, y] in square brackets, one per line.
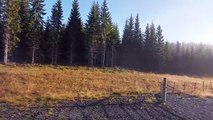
[26, 37]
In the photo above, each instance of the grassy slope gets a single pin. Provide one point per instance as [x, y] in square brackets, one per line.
[29, 83]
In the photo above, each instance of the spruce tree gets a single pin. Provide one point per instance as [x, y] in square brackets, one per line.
[36, 26]
[177, 58]
[146, 46]
[22, 52]
[153, 41]
[137, 43]
[125, 35]
[1, 29]
[114, 43]
[138, 36]
[150, 48]
[75, 42]
[45, 47]
[56, 26]
[131, 32]
[106, 27]
[127, 43]
[124, 45]
[167, 57]
[11, 27]
[160, 48]
[93, 34]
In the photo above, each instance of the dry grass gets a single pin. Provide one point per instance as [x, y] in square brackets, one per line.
[27, 83]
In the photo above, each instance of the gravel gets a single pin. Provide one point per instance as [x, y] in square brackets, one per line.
[143, 107]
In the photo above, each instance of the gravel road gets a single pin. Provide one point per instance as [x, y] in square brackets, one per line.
[144, 107]
[190, 107]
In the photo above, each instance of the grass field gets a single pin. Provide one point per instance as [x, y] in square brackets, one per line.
[27, 83]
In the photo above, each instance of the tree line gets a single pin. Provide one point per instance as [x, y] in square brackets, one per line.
[25, 37]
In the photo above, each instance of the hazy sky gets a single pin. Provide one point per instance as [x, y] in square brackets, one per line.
[181, 20]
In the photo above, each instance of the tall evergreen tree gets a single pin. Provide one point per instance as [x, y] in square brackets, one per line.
[127, 42]
[93, 34]
[160, 48]
[11, 27]
[147, 47]
[114, 43]
[125, 35]
[75, 41]
[150, 49]
[131, 32]
[22, 52]
[177, 57]
[153, 46]
[36, 26]
[45, 47]
[137, 43]
[124, 44]
[138, 36]
[106, 27]
[167, 57]
[56, 25]
[1, 29]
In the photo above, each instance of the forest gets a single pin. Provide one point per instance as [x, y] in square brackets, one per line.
[27, 38]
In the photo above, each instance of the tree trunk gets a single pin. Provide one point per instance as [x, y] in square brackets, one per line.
[52, 54]
[56, 48]
[33, 55]
[103, 54]
[91, 57]
[71, 54]
[6, 47]
[56, 54]
[107, 56]
[112, 56]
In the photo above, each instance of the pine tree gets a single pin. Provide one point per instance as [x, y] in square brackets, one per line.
[167, 57]
[1, 29]
[125, 35]
[153, 50]
[138, 36]
[75, 41]
[56, 25]
[147, 47]
[130, 30]
[45, 44]
[160, 48]
[137, 43]
[36, 26]
[124, 45]
[114, 44]
[106, 27]
[11, 27]
[177, 57]
[22, 52]
[127, 43]
[93, 33]
[150, 48]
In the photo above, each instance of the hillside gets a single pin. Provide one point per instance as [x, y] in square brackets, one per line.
[27, 83]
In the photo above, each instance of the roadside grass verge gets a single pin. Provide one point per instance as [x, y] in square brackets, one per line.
[25, 84]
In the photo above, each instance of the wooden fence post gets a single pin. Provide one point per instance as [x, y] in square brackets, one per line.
[174, 87]
[195, 87]
[203, 86]
[164, 90]
[211, 86]
[184, 86]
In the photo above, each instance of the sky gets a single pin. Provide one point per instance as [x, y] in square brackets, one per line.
[181, 20]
